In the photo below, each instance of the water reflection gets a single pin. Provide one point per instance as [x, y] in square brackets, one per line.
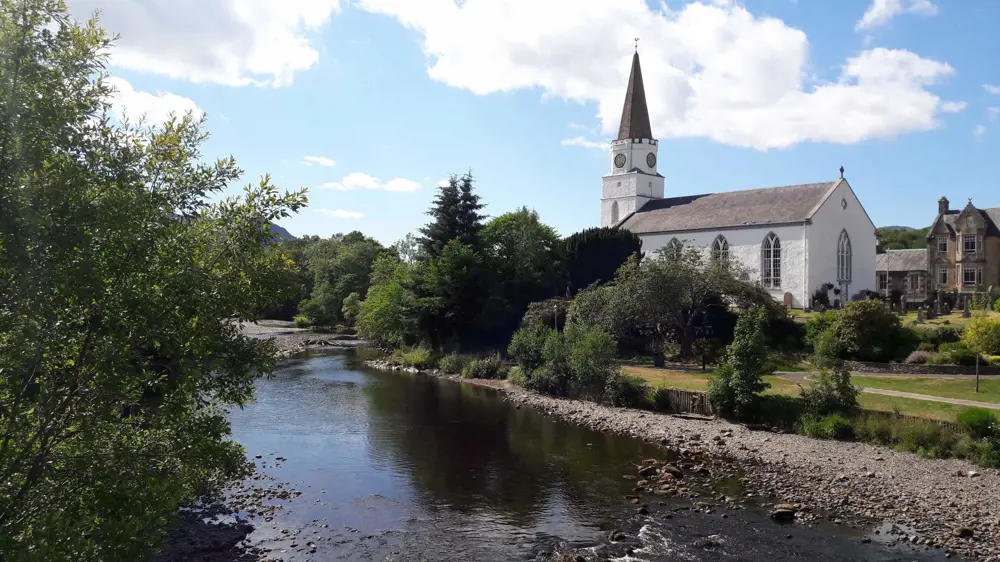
[404, 468]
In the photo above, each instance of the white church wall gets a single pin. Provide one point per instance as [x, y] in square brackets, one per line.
[824, 235]
[744, 246]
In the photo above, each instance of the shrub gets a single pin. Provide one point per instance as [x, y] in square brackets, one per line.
[939, 359]
[873, 428]
[979, 422]
[817, 324]
[626, 391]
[302, 321]
[547, 381]
[918, 357]
[735, 387]
[489, 367]
[416, 357]
[827, 427]
[958, 353]
[831, 392]
[926, 438]
[591, 359]
[527, 346]
[982, 335]
[996, 305]
[947, 334]
[926, 346]
[869, 331]
[453, 363]
[659, 399]
[518, 377]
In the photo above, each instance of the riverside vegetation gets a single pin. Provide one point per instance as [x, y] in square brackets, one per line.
[119, 284]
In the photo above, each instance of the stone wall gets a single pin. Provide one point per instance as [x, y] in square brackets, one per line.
[903, 368]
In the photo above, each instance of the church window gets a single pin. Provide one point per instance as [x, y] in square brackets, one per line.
[770, 262]
[720, 248]
[844, 257]
[614, 213]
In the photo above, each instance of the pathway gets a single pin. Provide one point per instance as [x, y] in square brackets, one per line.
[803, 377]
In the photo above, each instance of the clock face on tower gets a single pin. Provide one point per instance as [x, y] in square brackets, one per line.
[651, 160]
[619, 160]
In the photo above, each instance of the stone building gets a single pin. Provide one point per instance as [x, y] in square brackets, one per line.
[903, 273]
[963, 249]
[793, 239]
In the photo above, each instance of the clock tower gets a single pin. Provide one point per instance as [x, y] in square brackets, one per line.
[633, 180]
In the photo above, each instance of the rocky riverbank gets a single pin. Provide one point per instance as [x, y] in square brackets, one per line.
[291, 341]
[947, 505]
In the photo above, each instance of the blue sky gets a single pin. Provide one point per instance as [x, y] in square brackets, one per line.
[397, 94]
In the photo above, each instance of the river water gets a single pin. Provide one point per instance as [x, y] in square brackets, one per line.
[396, 467]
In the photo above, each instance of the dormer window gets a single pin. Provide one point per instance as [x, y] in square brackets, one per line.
[942, 244]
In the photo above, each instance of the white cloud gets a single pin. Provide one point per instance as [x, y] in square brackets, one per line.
[991, 89]
[444, 182]
[993, 113]
[953, 106]
[580, 141]
[341, 213]
[881, 11]
[979, 131]
[359, 180]
[710, 71]
[318, 161]
[231, 42]
[578, 126]
[127, 102]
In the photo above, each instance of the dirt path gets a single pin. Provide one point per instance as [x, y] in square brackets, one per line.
[803, 377]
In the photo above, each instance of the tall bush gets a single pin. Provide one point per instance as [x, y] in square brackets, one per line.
[527, 346]
[831, 392]
[735, 387]
[870, 331]
[591, 359]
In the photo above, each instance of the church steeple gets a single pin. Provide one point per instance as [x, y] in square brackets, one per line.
[635, 113]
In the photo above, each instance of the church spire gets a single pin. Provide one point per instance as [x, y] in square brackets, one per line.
[635, 114]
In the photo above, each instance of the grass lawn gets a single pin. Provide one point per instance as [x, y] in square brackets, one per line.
[948, 387]
[698, 381]
[907, 406]
[910, 319]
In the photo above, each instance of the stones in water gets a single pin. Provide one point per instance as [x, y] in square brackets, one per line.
[783, 512]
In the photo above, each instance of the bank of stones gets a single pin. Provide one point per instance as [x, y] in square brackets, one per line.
[933, 504]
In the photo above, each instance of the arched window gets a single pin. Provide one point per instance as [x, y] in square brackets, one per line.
[844, 257]
[674, 249]
[614, 213]
[720, 248]
[770, 262]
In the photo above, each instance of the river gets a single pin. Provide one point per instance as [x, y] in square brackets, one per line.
[396, 467]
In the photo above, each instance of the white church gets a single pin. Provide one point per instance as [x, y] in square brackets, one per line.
[793, 239]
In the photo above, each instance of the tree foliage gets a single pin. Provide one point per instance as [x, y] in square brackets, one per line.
[902, 239]
[735, 387]
[119, 282]
[594, 255]
[982, 334]
[454, 215]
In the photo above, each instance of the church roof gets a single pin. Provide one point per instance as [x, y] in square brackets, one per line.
[734, 209]
[902, 260]
[635, 113]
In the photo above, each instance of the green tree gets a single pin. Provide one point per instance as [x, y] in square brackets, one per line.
[119, 284]
[340, 265]
[735, 387]
[894, 238]
[526, 257]
[982, 336]
[388, 315]
[454, 215]
[868, 331]
[352, 307]
[455, 292]
[594, 255]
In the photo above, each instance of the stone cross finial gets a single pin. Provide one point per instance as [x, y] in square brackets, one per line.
[841, 172]
[637, 49]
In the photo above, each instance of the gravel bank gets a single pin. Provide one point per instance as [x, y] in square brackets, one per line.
[291, 341]
[940, 504]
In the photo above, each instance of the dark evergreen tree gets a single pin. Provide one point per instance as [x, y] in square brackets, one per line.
[444, 214]
[455, 214]
[470, 221]
[595, 254]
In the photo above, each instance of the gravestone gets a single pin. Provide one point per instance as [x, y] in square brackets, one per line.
[965, 308]
[902, 305]
[931, 312]
[920, 316]
[788, 300]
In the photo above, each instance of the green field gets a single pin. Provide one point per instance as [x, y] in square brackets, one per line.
[948, 387]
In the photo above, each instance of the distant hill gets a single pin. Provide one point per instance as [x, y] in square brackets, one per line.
[281, 232]
[902, 237]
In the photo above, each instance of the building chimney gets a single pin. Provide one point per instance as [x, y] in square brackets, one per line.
[942, 205]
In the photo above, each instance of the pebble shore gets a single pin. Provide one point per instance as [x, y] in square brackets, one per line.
[951, 505]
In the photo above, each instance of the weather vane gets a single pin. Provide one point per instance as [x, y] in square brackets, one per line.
[637, 44]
